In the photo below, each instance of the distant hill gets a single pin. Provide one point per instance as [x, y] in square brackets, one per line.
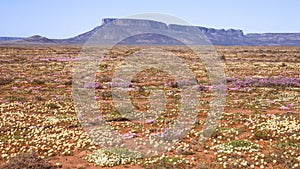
[39, 39]
[33, 40]
[9, 38]
[230, 37]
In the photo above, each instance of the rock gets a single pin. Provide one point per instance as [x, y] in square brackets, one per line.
[108, 20]
[93, 85]
[199, 88]
[120, 84]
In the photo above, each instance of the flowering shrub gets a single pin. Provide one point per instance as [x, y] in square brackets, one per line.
[266, 82]
[113, 157]
[238, 145]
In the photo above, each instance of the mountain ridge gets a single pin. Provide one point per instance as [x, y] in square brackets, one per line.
[222, 37]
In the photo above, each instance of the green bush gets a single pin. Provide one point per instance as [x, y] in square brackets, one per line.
[262, 134]
[167, 163]
[52, 106]
[16, 98]
[26, 161]
[38, 82]
[5, 81]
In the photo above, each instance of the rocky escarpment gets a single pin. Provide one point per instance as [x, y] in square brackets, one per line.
[216, 36]
[274, 39]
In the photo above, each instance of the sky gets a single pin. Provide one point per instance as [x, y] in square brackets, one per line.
[68, 18]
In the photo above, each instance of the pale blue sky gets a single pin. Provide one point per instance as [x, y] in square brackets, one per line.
[67, 18]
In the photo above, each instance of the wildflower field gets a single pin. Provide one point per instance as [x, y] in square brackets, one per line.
[259, 127]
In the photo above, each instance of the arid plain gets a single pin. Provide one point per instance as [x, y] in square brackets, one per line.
[259, 128]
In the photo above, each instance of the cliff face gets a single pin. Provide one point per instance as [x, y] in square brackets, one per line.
[274, 39]
[225, 37]
[216, 36]
[237, 37]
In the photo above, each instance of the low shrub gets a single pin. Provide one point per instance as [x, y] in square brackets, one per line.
[5, 81]
[27, 161]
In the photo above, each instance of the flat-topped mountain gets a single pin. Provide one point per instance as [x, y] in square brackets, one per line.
[216, 36]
